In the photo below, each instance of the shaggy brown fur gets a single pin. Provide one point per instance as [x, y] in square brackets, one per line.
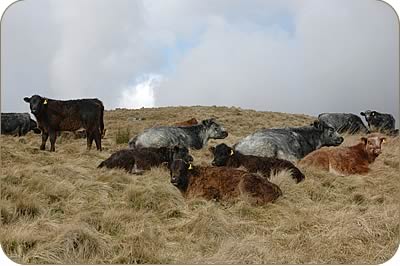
[347, 160]
[226, 156]
[221, 183]
[186, 123]
[137, 160]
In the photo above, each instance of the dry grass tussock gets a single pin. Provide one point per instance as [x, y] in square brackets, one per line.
[59, 208]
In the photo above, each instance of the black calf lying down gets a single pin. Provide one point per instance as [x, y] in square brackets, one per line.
[137, 160]
[226, 156]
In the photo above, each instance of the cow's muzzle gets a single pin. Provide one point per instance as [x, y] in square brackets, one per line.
[174, 180]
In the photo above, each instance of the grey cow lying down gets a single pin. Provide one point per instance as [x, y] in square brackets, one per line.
[195, 136]
[344, 122]
[290, 143]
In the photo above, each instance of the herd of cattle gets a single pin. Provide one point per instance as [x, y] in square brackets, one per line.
[259, 155]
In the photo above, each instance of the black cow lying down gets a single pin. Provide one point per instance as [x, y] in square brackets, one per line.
[226, 156]
[17, 124]
[55, 115]
[380, 122]
[137, 160]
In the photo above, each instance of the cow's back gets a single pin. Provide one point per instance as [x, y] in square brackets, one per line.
[344, 122]
[161, 137]
[279, 143]
[71, 115]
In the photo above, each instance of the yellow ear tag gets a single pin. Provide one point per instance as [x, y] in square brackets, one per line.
[383, 140]
[231, 153]
[190, 166]
[45, 101]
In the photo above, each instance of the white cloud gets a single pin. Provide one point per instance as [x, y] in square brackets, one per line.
[141, 94]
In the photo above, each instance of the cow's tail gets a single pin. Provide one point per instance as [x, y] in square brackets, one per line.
[101, 122]
[102, 164]
[280, 164]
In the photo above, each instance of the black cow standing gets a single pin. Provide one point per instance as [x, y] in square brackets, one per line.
[54, 115]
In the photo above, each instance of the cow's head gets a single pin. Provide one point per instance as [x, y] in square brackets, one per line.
[179, 172]
[180, 153]
[36, 104]
[369, 115]
[214, 130]
[222, 153]
[329, 136]
[377, 120]
[373, 145]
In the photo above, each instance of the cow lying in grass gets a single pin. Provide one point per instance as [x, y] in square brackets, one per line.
[221, 183]
[226, 156]
[195, 137]
[137, 160]
[190, 122]
[346, 160]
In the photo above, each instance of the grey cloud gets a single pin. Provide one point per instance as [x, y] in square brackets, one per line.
[335, 56]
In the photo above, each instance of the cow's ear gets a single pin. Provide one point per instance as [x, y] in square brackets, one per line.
[206, 122]
[27, 99]
[383, 139]
[316, 124]
[212, 149]
[364, 140]
[362, 113]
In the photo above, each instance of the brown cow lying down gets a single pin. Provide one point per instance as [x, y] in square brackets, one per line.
[137, 160]
[346, 160]
[186, 123]
[226, 156]
[221, 183]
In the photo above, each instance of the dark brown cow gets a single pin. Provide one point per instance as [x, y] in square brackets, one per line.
[137, 160]
[226, 156]
[346, 160]
[190, 122]
[221, 183]
[54, 115]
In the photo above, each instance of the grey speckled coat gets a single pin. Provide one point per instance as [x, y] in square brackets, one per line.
[194, 137]
[289, 143]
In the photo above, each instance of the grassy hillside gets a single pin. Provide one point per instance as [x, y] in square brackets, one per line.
[59, 208]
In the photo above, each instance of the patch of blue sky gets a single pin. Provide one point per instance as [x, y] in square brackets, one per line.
[260, 22]
[173, 53]
[283, 20]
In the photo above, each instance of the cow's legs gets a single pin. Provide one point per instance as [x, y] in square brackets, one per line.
[97, 139]
[45, 135]
[89, 138]
[53, 137]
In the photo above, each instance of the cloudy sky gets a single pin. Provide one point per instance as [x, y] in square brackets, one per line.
[306, 56]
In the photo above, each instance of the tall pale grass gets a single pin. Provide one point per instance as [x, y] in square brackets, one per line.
[58, 208]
